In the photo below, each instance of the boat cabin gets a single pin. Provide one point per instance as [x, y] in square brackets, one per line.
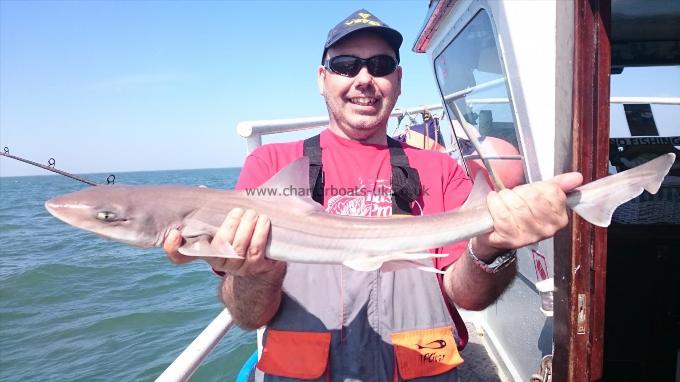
[593, 303]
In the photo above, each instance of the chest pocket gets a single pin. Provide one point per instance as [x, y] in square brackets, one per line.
[424, 353]
[297, 355]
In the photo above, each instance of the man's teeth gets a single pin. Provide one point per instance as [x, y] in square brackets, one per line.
[363, 101]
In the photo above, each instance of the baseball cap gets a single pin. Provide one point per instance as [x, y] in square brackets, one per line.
[363, 20]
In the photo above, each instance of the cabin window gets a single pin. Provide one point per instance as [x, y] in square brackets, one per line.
[473, 86]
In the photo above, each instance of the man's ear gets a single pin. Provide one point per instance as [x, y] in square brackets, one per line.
[320, 80]
[399, 80]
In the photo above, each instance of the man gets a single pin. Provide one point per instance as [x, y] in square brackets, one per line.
[328, 322]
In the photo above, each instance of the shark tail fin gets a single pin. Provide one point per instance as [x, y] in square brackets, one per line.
[596, 201]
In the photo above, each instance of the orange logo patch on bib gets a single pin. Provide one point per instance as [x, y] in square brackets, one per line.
[426, 352]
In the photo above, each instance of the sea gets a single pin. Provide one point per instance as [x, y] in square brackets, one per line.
[76, 307]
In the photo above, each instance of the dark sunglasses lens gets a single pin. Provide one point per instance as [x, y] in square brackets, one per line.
[345, 65]
[381, 65]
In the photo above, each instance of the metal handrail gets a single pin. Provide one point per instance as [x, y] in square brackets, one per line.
[466, 91]
[253, 131]
[186, 364]
[646, 100]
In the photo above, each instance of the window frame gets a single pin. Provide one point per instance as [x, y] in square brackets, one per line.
[476, 9]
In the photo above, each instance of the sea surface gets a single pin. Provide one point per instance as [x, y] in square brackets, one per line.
[76, 307]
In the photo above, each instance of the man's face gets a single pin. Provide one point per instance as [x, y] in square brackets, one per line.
[359, 107]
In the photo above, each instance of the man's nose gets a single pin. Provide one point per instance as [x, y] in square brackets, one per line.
[363, 77]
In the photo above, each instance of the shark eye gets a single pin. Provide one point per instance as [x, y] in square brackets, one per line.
[106, 216]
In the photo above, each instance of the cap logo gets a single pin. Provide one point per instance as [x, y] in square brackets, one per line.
[364, 19]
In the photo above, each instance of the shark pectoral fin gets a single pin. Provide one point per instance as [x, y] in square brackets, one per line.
[202, 248]
[197, 224]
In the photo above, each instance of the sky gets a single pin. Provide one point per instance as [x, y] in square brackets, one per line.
[118, 86]
[153, 85]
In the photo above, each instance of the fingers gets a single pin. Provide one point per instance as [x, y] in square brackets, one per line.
[248, 234]
[226, 235]
[256, 262]
[244, 233]
[227, 231]
[528, 213]
[568, 181]
[172, 242]
[514, 221]
[259, 239]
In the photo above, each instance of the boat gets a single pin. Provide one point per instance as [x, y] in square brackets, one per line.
[590, 303]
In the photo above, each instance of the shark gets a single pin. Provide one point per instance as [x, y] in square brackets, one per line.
[301, 231]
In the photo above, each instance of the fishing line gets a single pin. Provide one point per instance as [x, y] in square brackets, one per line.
[111, 179]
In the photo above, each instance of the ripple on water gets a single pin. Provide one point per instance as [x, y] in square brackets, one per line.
[76, 307]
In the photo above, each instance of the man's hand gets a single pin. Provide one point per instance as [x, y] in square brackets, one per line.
[251, 288]
[247, 233]
[521, 216]
[525, 215]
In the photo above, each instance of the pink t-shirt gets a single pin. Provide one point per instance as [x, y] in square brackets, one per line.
[357, 179]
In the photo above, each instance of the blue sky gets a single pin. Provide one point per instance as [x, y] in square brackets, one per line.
[115, 86]
[121, 86]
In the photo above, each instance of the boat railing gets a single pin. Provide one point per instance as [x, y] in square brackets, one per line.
[184, 366]
[253, 131]
[186, 363]
[646, 100]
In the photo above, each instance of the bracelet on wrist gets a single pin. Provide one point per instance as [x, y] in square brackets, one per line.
[501, 262]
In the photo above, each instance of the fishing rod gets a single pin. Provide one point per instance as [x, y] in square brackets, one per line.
[111, 179]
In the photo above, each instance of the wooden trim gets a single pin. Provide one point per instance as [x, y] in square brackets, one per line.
[578, 356]
[603, 22]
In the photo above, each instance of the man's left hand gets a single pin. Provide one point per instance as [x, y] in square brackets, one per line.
[525, 215]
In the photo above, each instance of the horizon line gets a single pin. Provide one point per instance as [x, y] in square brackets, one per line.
[49, 173]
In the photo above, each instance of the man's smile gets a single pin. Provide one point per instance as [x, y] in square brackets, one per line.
[363, 101]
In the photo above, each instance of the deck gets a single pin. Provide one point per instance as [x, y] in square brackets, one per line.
[479, 365]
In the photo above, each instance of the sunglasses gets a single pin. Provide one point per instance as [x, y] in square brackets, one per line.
[349, 66]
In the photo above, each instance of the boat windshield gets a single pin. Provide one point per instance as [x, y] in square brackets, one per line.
[473, 86]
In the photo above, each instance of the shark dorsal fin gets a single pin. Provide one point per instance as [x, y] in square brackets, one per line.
[295, 175]
[292, 184]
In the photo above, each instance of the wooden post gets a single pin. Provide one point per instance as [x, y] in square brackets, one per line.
[580, 260]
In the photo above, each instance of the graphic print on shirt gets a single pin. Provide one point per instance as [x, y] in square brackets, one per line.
[370, 199]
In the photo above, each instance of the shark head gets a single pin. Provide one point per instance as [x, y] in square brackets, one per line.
[112, 212]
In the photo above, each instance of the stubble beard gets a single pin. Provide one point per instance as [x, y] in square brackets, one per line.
[358, 127]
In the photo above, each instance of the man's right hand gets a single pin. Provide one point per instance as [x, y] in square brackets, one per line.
[251, 288]
[247, 233]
